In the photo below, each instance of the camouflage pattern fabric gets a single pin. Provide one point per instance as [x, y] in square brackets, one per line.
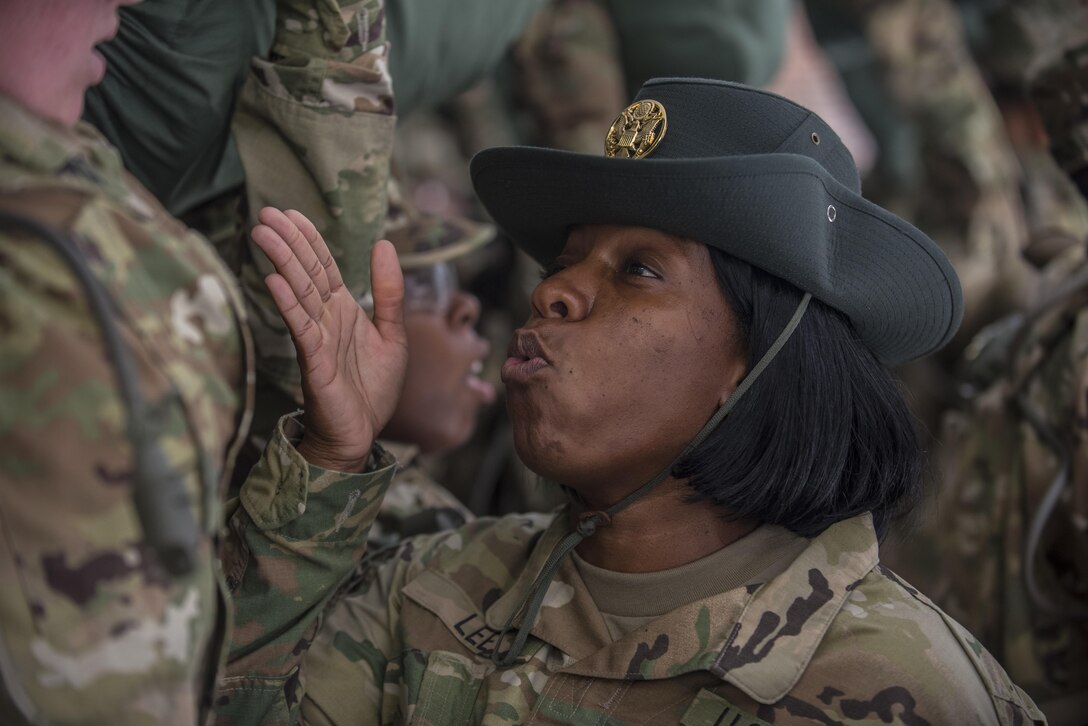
[314, 129]
[1021, 440]
[415, 503]
[969, 198]
[969, 202]
[1020, 38]
[570, 74]
[1059, 90]
[1032, 45]
[1007, 542]
[92, 628]
[408, 636]
[1055, 211]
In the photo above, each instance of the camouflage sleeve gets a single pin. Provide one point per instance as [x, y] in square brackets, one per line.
[1002, 546]
[314, 129]
[969, 201]
[94, 628]
[294, 534]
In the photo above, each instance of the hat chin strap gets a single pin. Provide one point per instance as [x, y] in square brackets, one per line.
[588, 522]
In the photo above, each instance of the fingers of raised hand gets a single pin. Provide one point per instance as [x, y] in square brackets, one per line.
[387, 286]
[321, 250]
[304, 331]
[294, 259]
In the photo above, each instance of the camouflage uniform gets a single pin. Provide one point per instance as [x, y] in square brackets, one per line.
[409, 636]
[968, 200]
[314, 129]
[415, 503]
[1022, 437]
[1008, 535]
[93, 629]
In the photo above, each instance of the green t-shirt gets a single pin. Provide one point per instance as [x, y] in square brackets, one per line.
[173, 72]
[629, 600]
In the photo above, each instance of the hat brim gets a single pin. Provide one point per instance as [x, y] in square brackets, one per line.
[782, 213]
[465, 234]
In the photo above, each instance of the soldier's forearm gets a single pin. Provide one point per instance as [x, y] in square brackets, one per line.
[297, 533]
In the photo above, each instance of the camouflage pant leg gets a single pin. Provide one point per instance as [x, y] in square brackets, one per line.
[314, 129]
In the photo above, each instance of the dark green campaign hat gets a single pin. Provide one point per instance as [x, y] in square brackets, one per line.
[748, 172]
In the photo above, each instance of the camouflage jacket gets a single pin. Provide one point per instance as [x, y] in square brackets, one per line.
[92, 628]
[314, 130]
[408, 636]
[415, 503]
[1015, 485]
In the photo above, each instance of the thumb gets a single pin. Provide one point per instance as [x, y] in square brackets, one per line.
[387, 285]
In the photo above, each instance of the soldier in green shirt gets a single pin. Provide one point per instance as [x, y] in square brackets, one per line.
[704, 372]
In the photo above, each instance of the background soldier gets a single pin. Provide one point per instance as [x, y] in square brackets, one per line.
[1005, 548]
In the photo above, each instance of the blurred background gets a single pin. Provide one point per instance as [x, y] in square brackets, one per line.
[967, 118]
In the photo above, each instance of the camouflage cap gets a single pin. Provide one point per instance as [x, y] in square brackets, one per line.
[425, 239]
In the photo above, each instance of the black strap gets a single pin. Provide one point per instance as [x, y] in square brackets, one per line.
[158, 489]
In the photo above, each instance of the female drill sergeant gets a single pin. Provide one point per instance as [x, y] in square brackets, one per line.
[706, 570]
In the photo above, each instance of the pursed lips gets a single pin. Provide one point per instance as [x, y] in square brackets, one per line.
[526, 358]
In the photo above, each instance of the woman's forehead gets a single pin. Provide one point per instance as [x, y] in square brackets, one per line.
[585, 237]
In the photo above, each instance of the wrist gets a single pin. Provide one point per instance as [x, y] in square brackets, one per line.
[322, 456]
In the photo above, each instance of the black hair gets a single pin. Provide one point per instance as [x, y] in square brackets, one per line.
[824, 433]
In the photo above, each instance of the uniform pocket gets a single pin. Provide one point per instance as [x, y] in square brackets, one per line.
[710, 709]
[448, 692]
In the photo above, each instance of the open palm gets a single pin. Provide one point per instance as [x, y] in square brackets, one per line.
[352, 367]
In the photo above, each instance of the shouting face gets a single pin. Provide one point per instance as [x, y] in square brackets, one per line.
[47, 52]
[629, 349]
[442, 387]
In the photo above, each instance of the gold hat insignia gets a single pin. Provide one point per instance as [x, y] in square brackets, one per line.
[637, 130]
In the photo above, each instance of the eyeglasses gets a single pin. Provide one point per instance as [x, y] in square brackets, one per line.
[426, 289]
[430, 288]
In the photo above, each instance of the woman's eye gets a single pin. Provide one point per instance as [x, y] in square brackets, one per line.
[637, 268]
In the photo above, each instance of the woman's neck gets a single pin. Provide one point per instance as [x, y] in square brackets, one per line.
[659, 531]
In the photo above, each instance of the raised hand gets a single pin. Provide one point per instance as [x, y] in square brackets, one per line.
[352, 367]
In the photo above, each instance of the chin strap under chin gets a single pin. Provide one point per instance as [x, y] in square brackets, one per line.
[588, 522]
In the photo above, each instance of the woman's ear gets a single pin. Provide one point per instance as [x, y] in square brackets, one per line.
[734, 373]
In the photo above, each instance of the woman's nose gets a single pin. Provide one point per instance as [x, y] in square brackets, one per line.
[563, 295]
[464, 310]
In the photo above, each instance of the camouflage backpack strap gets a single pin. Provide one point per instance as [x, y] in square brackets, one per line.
[159, 490]
[1071, 295]
[1065, 295]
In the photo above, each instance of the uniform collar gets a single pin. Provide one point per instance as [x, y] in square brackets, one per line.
[785, 620]
[45, 146]
[758, 638]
